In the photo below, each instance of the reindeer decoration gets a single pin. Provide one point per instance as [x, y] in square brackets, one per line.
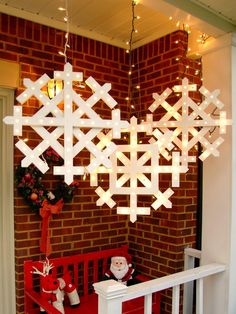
[53, 289]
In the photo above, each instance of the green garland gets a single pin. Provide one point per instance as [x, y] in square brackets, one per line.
[29, 184]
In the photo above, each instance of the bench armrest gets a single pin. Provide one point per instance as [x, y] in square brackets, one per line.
[37, 298]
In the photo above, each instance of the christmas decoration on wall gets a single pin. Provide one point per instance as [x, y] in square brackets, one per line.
[42, 200]
[188, 122]
[70, 123]
[29, 184]
[135, 171]
[133, 168]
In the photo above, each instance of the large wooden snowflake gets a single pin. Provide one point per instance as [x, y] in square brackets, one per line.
[135, 171]
[188, 123]
[77, 116]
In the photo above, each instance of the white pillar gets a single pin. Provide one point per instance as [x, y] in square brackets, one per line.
[110, 294]
[7, 245]
[219, 178]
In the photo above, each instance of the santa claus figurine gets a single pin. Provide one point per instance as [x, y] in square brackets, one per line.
[121, 270]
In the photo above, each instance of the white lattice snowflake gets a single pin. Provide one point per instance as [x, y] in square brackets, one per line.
[187, 123]
[77, 116]
[135, 171]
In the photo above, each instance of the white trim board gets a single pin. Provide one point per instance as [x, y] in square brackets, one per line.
[7, 264]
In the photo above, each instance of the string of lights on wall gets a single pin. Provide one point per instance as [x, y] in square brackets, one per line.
[130, 52]
[133, 168]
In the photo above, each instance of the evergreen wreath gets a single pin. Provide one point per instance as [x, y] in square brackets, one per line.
[29, 184]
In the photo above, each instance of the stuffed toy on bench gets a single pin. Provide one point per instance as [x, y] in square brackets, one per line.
[122, 271]
[86, 269]
[53, 289]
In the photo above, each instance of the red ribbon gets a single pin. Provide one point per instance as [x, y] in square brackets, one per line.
[46, 212]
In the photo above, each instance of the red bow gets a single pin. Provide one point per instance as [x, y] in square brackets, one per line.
[46, 212]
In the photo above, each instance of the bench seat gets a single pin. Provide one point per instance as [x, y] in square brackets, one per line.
[86, 269]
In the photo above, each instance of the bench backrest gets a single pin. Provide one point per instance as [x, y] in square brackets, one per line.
[85, 269]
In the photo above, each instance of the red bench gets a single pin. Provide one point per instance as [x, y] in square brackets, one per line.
[85, 269]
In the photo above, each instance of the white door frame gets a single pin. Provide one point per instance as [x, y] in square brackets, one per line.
[7, 245]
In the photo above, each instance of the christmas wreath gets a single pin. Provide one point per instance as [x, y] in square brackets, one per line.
[30, 186]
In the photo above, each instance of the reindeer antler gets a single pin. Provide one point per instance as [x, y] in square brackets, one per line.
[36, 271]
[46, 268]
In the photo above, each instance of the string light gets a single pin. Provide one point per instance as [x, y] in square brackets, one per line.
[55, 86]
[129, 50]
[203, 38]
[182, 58]
[133, 90]
[66, 19]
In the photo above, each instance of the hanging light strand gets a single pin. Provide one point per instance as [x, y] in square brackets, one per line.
[132, 29]
[66, 19]
[130, 43]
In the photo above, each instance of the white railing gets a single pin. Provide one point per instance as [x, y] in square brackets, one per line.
[111, 294]
[190, 256]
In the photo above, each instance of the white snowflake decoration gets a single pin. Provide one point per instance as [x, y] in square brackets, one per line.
[134, 168]
[135, 171]
[188, 122]
[68, 122]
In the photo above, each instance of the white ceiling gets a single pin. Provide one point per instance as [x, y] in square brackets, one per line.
[110, 20]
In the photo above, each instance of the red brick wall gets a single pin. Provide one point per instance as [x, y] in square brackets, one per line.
[82, 226]
[156, 241]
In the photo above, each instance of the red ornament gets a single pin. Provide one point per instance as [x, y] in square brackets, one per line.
[34, 196]
[27, 177]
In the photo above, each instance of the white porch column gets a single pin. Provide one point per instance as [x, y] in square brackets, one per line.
[219, 179]
[110, 294]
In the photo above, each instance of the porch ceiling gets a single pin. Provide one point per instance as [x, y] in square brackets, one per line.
[110, 20]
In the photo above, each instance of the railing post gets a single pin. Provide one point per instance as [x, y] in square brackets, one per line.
[110, 294]
[148, 304]
[175, 299]
[199, 299]
[189, 260]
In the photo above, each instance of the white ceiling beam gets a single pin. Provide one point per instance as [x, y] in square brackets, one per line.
[200, 18]
[204, 14]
